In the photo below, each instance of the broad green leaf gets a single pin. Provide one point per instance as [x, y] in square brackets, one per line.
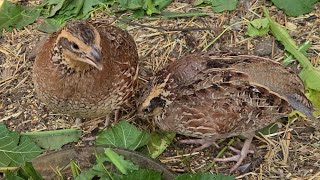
[260, 23]
[16, 16]
[123, 3]
[314, 97]
[27, 171]
[53, 140]
[309, 74]
[155, 6]
[161, 4]
[71, 9]
[55, 6]
[89, 5]
[97, 170]
[150, 8]
[223, 5]
[145, 174]
[15, 150]
[9, 175]
[123, 135]
[138, 13]
[50, 25]
[258, 27]
[295, 7]
[311, 77]
[203, 176]
[124, 166]
[159, 141]
[134, 4]
[201, 2]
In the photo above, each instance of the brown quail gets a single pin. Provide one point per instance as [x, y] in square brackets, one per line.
[211, 97]
[86, 69]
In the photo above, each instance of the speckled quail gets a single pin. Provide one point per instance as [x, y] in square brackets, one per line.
[210, 97]
[86, 69]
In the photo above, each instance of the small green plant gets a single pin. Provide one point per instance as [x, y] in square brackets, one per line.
[15, 149]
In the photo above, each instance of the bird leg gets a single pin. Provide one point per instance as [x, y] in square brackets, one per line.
[116, 115]
[109, 119]
[204, 143]
[241, 154]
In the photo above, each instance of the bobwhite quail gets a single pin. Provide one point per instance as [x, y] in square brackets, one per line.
[210, 97]
[86, 69]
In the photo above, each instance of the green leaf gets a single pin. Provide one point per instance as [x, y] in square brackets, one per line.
[89, 5]
[295, 7]
[61, 11]
[159, 141]
[303, 49]
[9, 175]
[16, 16]
[270, 129]
[150, 8]
[50, 25]
[134, 4]
[314, 97]
[15, 150]
[75, 169]
[27, 171]
[138, 13]
[98, 170]
[122, 165]
[258, 27]
[72, 9]
[55, 6]
[123, 135]
[223, 5]
[202, 2]
[311, 77]
[161, 4]
[53, 140]
[145, 174]
[203, 176]
[309, 74]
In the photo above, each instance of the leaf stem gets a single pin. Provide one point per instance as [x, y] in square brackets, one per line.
[285, 40]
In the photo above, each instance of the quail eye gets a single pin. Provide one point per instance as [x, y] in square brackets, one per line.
[75, 46]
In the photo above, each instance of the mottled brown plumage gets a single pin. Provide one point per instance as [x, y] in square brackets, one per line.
[210, 97]
[86, 69]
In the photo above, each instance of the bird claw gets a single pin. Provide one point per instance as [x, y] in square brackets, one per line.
[204, 143]
[232, 158]
[241, 155]
[237, 151]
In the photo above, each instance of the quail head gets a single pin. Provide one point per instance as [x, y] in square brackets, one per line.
[210, 98]
[86, 69]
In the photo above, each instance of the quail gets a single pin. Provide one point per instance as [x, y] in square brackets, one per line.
[214, 97]
[87, 69]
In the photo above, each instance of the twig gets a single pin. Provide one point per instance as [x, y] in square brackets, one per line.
[165, 28]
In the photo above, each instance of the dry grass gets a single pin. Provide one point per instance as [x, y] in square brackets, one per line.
[291, 153]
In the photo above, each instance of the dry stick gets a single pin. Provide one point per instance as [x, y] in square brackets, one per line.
[165, 28]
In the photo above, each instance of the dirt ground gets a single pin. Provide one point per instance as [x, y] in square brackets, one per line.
[293, 152]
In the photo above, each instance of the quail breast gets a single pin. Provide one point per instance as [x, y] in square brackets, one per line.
[86, 69]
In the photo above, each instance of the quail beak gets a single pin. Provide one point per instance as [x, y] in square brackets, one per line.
[95, 58]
